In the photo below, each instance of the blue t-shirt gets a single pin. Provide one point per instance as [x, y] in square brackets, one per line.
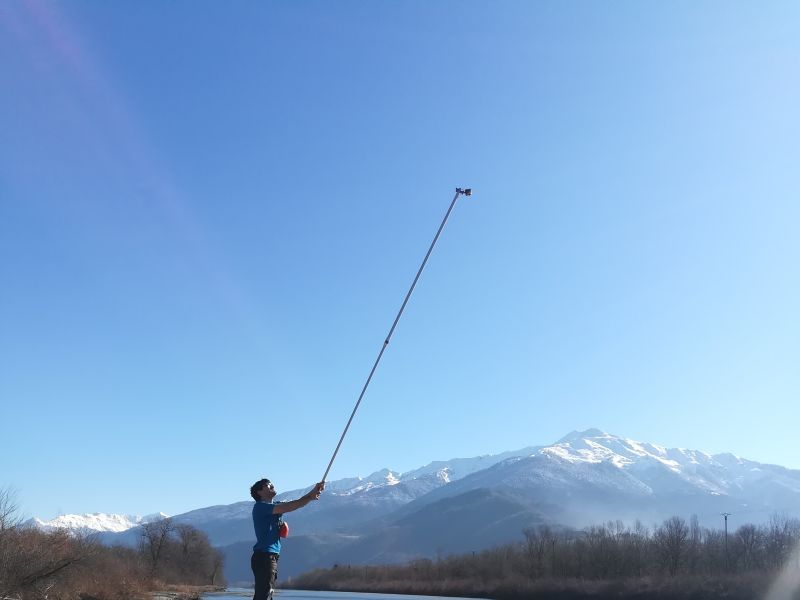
[266, 525]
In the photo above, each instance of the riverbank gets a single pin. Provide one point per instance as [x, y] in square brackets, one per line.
[184, 592]
[732, 587]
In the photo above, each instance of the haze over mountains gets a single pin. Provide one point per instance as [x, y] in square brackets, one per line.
[471, 503]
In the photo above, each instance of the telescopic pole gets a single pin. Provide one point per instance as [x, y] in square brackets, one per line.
[459, 192]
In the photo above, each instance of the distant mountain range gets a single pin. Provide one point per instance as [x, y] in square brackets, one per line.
[95, 522]
[466, 504]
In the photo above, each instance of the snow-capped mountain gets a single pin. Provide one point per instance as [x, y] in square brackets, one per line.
[720, 474]
[412, 484]
[584, 478]
[95, 522]
[657, 470]
[441, 471]
[456, 468]
[383, 487]
[591, 476]
[353, 485]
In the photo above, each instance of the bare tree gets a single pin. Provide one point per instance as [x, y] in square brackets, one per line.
[217, 563]
[190, 538]
[198, 560]
[671, 540]
[714, 550]
[9, 520]
[781, 535]
[9, 509]
[694, 545]
[537, 542]
[640, 544]
[748, 540]
[601, 550]
[153, 541]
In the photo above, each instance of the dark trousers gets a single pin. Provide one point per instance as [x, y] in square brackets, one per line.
[265, 569]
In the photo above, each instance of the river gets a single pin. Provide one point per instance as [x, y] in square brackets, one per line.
[241, 593]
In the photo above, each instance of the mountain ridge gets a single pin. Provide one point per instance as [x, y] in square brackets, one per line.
[585, 478]
[698, 469]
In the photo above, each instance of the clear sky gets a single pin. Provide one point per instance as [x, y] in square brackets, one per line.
[210, 213]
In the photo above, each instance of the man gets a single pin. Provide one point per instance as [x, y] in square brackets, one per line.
[267, 522]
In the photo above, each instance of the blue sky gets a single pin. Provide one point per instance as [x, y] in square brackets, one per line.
[210, 214]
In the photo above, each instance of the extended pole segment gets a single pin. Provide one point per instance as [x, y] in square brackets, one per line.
[459, 192]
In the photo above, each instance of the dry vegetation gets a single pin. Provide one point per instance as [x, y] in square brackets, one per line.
[61, 566]
[675, 560]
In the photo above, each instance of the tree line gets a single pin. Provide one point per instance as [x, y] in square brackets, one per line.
[677, 558]
[60, 565]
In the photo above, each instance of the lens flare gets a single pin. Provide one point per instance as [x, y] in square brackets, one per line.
[787, 585]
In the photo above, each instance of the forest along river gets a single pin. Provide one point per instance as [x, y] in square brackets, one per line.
[241, 593]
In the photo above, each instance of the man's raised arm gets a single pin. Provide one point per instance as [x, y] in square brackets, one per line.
[285, 507]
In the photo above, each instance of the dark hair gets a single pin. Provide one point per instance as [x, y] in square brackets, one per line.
[257, 487]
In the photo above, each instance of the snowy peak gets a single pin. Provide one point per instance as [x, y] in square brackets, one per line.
[610, 462]
[578, 448]
[579, 435]
[354, 485]
[423, 479]
[595, 446]
[458, 468]
[659, 466]
[586, 476]
[96, 522]
[382, 477]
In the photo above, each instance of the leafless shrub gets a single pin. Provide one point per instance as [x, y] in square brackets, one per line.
[63, 566]
[676, 560]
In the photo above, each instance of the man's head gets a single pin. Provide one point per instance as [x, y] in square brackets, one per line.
[262, 490]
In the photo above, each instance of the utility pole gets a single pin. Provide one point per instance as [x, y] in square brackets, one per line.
[726, 515]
